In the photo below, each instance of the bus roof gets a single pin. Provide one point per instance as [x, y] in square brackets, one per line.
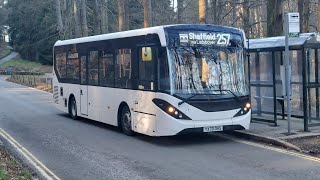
[131, 33]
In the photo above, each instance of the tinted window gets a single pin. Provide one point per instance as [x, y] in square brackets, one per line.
[93, 68]
[84, 70]
[123, 68]
[164, 79]
[106, 69]
[61, 65]
[146, 68]
[73, 66]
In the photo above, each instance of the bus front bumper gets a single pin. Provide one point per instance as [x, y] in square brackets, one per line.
[175, 127]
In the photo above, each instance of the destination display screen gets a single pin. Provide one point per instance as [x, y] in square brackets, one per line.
[204, 38]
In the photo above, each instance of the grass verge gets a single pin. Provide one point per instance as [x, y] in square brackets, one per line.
[3, 175]
[19, 63]
[26, 65]
[10, 168]
[4, 50]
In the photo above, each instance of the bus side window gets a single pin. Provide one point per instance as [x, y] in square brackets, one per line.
[83, 70]
[146, 68]
[106, 69]
[73, 66]
[164, 79]
[61, 65]
[123, 68]
[93, 65]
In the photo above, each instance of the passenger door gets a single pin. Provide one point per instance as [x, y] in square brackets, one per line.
[84, 86]
[145, 115]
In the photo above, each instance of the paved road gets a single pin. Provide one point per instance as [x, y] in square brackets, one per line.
[84, 149]
[8, 58]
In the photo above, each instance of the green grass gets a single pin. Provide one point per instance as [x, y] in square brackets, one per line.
[19, 63]
[3, 176]
[25, 175]
[4, 51]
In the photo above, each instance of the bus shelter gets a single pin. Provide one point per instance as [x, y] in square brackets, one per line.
[267, 78]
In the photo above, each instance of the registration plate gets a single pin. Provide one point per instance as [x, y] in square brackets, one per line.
[212, 128]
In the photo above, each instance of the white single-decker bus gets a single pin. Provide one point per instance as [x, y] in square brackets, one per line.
[158, 81]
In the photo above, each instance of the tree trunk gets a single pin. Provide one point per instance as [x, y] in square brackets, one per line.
[84, 18]
[59, 19]
[274, 18]
[304, 11]
[179, 11]
[147, 10]
[261, 25]
[105, 17]
[76, 18]
[120, 14]
[245, 18]
[126, 14]
[234, 13]
[318, 28]
[202, 11]
[218, 11]
[68, 19]
[257, 19]
[97, 14]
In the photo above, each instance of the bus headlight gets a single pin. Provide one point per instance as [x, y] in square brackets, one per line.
[244, 110]
[248, 106]
[170, 109]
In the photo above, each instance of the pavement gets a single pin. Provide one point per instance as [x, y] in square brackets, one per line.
[277, 135]
[84, 149]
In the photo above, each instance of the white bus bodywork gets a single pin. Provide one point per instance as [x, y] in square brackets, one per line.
[102, 103]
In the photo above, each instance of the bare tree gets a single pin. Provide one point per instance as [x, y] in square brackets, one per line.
[76, 18]
[179, 11]
[245, 17]
[202, 11]
[105, 17]
[84, 18]
[215, 11]
[274, 18]
[84, 22]
[147, 9]
[59, 19]
[318, 13]
[97, 15]
[304, 11]
[126, 14]
[120, 14]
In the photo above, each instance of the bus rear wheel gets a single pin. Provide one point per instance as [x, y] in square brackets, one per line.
[126, 121]
[73, 108]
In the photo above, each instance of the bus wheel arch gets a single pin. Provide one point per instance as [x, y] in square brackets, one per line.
[125, 119]
[72, 107]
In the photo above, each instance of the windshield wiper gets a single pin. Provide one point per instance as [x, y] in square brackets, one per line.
[187, 99]
[228, 90]
[192, 96]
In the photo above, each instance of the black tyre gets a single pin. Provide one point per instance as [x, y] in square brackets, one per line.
[126, 121]
[73, 108]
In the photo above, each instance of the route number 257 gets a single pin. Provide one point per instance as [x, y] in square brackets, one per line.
[223, 39]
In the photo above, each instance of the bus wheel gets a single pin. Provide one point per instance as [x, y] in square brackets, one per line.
[73, 108]
[126, 121]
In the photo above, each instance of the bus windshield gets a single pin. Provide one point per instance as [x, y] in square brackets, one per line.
[207, 70]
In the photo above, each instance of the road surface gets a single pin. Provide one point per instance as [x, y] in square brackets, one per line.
[83, 149]
[9, 57]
